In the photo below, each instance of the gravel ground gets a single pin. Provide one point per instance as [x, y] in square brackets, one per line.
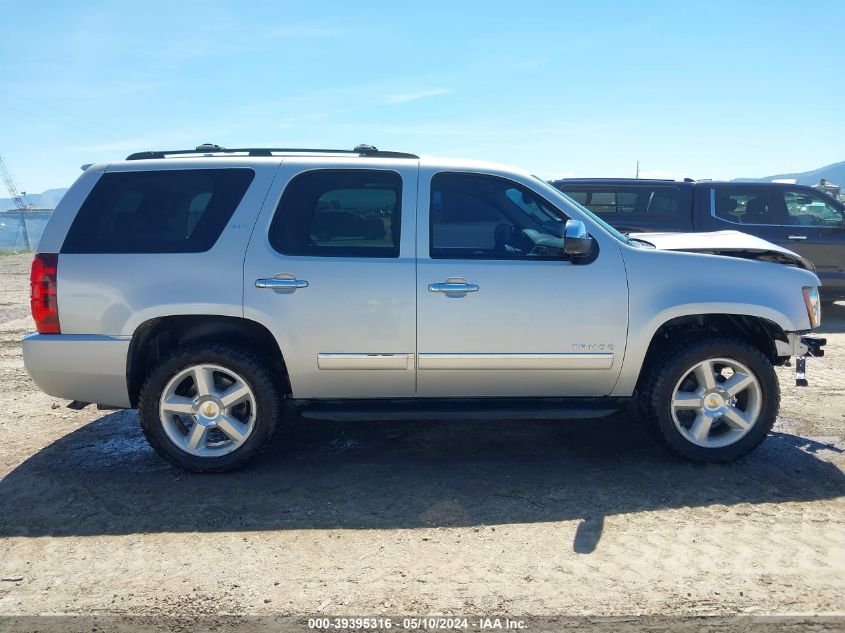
[539, 518]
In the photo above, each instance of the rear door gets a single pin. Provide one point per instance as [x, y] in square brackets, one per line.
[330, 271]
[749, 208]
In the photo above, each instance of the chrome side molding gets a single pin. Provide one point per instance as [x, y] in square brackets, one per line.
[599, 360]
[365, 361]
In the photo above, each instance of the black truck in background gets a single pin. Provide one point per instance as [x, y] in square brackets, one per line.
[797, 217]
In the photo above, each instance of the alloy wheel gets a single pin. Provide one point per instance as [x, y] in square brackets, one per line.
[207, 410]
[716, 402]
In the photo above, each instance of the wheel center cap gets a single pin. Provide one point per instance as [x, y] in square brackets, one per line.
[207, 410]
[714, 401]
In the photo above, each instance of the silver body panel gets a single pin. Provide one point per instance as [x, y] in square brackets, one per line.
[360, 307]
[665, 285]
[89, 368]
[516, 334]
[114, 294]
[373, 328]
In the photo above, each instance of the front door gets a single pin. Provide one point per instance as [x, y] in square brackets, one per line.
[815, 228]
[500, 311]
[330, 271]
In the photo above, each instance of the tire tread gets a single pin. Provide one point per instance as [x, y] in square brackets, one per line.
[661, 369]
[187, 353]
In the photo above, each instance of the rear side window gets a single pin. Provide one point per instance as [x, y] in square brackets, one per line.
[743, 205]
[168, 211]
[339, 213]
[628, 202]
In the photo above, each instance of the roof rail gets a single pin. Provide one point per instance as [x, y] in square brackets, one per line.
[206, 149]
[609, 179]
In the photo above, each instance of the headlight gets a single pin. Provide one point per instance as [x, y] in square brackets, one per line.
[814, 306]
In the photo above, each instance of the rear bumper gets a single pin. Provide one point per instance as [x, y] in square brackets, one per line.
[85, 367]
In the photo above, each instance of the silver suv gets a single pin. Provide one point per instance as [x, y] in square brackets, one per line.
[213, 288]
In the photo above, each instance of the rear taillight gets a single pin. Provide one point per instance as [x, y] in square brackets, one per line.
[42, 293]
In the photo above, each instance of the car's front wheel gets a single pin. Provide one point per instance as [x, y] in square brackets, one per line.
[714, 399]
[209, 407]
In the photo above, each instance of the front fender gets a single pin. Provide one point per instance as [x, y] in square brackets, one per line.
[665, 285]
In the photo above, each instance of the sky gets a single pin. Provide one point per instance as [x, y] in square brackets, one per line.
[690, 89]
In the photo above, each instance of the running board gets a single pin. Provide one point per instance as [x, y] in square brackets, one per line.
[459, 409]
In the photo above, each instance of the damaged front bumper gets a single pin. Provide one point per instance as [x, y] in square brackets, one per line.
[801, 346]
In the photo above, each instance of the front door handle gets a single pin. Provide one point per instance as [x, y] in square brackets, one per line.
[798, 237]
[275, 283]
[453, 287]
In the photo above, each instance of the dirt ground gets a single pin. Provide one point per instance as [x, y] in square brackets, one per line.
[539, 518]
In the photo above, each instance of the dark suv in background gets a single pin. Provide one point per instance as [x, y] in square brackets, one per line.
[798, 217]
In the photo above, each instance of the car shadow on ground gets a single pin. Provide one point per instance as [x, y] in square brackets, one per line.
[103, 479]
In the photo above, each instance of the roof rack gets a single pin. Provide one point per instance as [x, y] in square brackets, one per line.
[610, 179]
[207, 149]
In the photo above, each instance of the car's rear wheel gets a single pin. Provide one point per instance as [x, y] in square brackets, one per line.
[712, 399]
[209, 407]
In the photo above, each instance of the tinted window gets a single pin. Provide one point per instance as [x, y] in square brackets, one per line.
[579, 196]
[172, 211]
[645, 202]
[743, 205]
[354, 213]
[474, 216]
[808, 208]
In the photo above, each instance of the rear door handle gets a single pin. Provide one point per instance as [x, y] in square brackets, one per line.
[451, 287]
[798, 237]
[275, 283]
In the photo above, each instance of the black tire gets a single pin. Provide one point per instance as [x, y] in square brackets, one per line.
[254, 370]
[668, 368]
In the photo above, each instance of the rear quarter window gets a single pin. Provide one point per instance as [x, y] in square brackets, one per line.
[664, 202]
[167, 211]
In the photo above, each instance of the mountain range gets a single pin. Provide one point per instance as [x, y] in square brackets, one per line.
[835, 173]
[44, 200]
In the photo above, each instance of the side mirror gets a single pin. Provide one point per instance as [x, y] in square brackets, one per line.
[576, 241]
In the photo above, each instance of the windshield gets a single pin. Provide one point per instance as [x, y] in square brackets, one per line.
[619, 236]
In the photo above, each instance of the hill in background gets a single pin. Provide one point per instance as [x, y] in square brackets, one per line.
[45, 200]
[834, 173]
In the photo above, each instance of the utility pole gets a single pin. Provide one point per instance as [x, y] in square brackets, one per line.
[637, 176]
[17, 198]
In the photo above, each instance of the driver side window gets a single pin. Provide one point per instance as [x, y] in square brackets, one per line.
[808, 208]
[472, 216]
